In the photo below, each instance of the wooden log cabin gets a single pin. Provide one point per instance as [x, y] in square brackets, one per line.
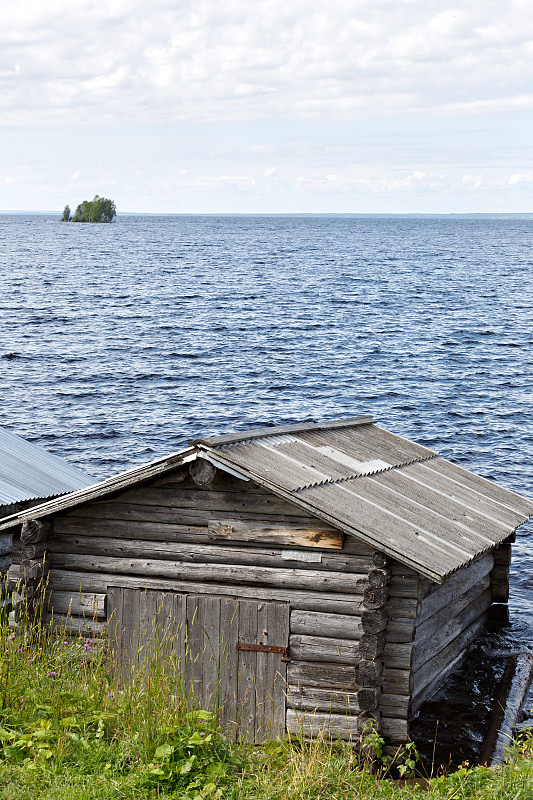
[316, 575]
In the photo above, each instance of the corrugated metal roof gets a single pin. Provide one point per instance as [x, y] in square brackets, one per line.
[398, 496]
[392, 493]
[98, 491]
[28, 472]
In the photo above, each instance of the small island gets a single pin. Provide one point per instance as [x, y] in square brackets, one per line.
[99, 209]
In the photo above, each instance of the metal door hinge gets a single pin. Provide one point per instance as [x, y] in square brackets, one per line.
[265, 648]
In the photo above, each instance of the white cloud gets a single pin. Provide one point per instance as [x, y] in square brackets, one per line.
[129, 61]
[521, 179]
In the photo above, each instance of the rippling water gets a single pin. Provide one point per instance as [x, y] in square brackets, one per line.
[118, 343]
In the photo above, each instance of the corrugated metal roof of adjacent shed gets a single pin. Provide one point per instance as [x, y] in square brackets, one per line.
[28, 472]
[392, 493]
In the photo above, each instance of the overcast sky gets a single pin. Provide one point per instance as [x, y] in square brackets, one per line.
[278, 106]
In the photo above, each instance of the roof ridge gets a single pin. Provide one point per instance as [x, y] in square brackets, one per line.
[277, 430]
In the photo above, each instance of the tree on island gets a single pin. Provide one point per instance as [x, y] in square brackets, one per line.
[99, 209]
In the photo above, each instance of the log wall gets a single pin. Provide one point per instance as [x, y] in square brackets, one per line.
[428, 631]
[449, 618]
[231, 537]
[368, 637]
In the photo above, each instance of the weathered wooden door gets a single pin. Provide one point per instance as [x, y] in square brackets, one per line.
[231, 652]
[147, 629]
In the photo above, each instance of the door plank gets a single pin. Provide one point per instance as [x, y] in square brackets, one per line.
[229, 666]
[247, 670]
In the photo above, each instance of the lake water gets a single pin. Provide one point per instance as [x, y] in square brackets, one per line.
[119, 343]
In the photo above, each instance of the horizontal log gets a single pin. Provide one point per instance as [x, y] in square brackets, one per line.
[356, 546]
[6, 544]
[222, 482]
[197, 499]
[375, 597]
[499, 574]
[394, 705]
[34, 570]
[318, 675]
[397, 655]
[434, 672]
[395, 681]
[167, 528]
[5, 564]
[172, 478]
[35, 530]
[202, 472]
[321, 536]
[303, 698]
[13, 576]
[393, 751]
[502, 555]
[339, 626]
[176, 516]
[313, 580]
[404, 586]
[436, 621]
[457, 585]
[400, 630]
[499, 583]
[400, 569]
[394, 730]
[368, 673]
[152, 529]
[371, 646]
[77, 605]
[404, 607]
[31, 552]
[374, 621]
[368, 698]
[69, 624]
[380, 560]
[71, 580]
[379, 577]
[307, 699]
[427, 587]
[209, 552]
[317, 648]
[431, 639]
[343, 726]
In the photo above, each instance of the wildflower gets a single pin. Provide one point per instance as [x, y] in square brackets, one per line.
[65, 642]
[51, 674]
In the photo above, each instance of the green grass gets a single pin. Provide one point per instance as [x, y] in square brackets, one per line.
[69, 730]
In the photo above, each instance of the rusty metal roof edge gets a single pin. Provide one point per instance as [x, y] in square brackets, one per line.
[116, 483]
[277, 430]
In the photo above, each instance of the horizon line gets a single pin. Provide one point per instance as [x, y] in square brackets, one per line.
[289, 213]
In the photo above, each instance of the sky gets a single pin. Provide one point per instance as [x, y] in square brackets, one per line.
[278, 106]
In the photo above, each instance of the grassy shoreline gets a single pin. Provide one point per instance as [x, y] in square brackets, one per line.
[68, 730]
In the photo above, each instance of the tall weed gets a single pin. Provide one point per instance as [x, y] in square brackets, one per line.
[71, 727]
